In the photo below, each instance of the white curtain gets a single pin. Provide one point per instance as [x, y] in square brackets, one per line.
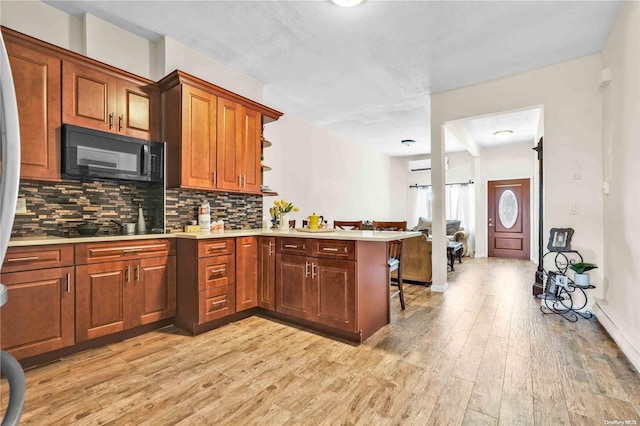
[460, 204]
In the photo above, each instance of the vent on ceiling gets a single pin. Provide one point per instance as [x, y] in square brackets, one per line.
[418, 166]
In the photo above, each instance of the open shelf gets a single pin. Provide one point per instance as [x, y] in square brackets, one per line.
[265, 143]
[265, 168]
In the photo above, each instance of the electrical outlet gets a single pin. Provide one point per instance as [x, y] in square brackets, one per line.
[21, 206]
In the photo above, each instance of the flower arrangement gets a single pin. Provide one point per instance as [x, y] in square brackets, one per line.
[279, 207]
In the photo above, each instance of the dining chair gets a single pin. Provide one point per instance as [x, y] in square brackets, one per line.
[395, 264]
[389, 226]
[347, 224]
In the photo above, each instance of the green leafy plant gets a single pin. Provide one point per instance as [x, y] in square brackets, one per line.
[582, 267]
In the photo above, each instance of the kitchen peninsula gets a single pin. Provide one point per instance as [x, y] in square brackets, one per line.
[120, 286]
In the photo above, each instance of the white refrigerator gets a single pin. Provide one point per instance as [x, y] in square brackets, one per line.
[9, 183]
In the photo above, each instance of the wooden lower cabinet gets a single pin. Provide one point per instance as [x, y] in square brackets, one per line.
[333, 293]
[246, 273]
[118, 295]
[206, 287]
[318, 290]
[155, 290]
[267, 273]
[293, 286]
[39, 314]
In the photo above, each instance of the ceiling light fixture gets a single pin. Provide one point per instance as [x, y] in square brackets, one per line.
[347, 3]
[503, 133]
[408, 142]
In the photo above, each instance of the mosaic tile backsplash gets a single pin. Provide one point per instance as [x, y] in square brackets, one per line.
[238, 211]
[57, 208]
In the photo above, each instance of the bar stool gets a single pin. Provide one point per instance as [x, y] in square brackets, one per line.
[395, 264]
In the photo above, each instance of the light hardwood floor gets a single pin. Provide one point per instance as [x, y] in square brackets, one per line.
[479, 354]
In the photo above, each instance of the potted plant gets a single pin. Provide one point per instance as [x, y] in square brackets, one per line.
[580, 278]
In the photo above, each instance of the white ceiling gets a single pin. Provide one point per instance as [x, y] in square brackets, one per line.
[366, 72]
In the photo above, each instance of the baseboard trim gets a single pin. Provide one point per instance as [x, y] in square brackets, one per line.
[440, 288]
[616, 334]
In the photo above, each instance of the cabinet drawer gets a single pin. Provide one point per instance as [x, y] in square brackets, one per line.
[291, 246]
[216, 303]
[123, 250]
[216, 247]
[334, 249]
[31, 258]
[218, 271]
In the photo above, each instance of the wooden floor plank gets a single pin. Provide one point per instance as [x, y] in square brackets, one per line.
[481, 353]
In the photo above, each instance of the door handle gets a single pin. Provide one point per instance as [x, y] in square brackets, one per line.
[111, 120]
[120, 120]
[68, 282]
[214, 177]
[137, 275]
[306, 269]
[128, 278]
[313, 271]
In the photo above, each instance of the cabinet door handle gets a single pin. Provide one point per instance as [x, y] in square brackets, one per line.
[128, 278]
[218, 247]
[214, 176]
[137, 273]
[22, 259]
[111, 120]
[291, 246]
[313, 271]
[120, 121]
[217, 271]
[270, 248]
[329, 249]
[306, 269]
[244, 181]
[68, 282]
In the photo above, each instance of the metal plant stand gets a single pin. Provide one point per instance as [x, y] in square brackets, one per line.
[560, 290]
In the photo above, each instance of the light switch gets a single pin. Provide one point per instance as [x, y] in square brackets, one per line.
[574, 209]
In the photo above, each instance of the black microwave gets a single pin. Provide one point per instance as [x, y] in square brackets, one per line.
[89, 153]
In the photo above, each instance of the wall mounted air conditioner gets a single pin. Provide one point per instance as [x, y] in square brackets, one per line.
[417, 166]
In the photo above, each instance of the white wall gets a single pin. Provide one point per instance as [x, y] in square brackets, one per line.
[504, 162]
[570, 95]
[110, 44]
[322, 172]
[620, 290]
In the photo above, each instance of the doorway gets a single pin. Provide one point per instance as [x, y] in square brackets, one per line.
[509, 215]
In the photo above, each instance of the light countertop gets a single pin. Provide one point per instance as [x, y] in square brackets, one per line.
[381, 236]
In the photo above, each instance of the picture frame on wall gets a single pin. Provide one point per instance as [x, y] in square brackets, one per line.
[560, 239]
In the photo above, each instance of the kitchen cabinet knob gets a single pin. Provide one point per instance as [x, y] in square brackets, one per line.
[120, 121]
[111, 121]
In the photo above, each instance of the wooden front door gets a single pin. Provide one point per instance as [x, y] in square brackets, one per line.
[509, 218]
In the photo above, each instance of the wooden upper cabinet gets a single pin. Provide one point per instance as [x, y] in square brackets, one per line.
[239, 147]
[102, 100]
[251, 149]
[229, 130]
[36, 76]
[212, 135]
